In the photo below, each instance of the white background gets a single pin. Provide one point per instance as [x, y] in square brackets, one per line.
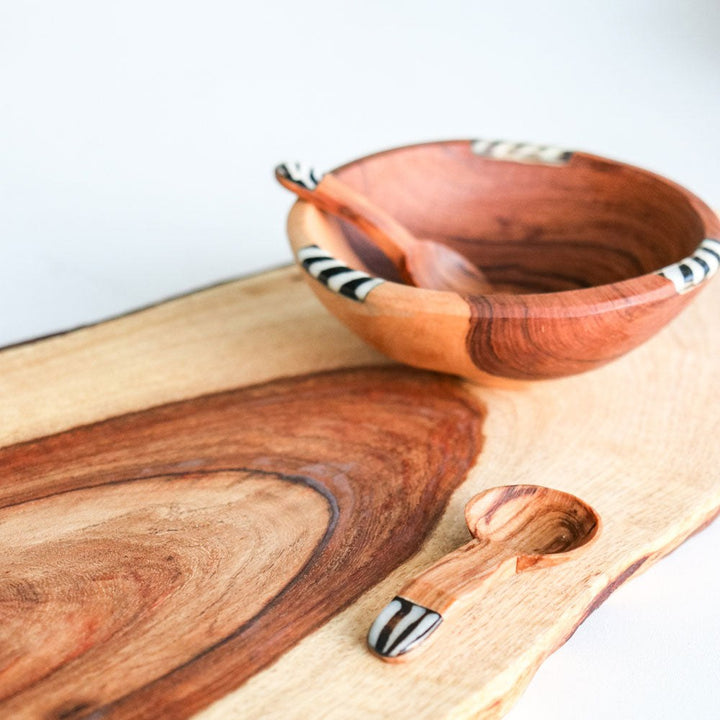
[137, 142]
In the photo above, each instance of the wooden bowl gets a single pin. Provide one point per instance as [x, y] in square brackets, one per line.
[587, 257]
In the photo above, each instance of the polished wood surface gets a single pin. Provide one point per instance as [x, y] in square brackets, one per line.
[141, 457]
[571, 252]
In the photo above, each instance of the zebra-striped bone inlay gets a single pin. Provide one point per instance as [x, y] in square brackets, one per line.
[521, 152]
[335, 275]
[692, 270]
[300, 173]
[400, 627]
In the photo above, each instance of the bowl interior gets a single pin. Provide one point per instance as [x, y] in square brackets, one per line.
[531, 228]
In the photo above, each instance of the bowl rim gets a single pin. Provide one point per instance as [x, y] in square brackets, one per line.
[649, 286]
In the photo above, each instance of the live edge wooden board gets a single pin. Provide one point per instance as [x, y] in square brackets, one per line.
[205, 504]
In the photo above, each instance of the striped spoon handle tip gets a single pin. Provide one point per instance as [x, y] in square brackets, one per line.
[401, 626]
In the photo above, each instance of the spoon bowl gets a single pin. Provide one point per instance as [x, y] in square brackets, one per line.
[532, 521]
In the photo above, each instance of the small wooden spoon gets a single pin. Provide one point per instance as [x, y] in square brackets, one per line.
[423, 263]
[516, 528]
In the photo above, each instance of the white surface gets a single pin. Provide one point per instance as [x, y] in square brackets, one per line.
[650, 652]
[137, 142]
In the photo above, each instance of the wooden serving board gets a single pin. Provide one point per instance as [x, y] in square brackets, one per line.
[204, 505]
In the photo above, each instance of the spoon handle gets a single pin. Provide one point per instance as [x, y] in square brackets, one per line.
[462, 572]
[332, 195]
[411, 617]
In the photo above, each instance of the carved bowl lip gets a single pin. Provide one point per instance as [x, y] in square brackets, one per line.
[636, 289]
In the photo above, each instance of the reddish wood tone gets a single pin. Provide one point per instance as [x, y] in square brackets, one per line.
[528, 337]
[532, 227]
[571, 252]
[157, 560]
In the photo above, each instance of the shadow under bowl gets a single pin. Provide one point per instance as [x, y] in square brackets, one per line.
[587, 257]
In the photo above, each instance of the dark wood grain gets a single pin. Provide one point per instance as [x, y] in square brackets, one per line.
[525, 337]
[155, 561]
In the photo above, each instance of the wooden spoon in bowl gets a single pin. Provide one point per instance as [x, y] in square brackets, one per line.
[423, 263]
[515, 528]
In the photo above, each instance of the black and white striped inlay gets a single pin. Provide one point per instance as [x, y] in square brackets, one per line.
[521, 152]
[400, 627]
[335, 275]
[300, 173]
[691, 271]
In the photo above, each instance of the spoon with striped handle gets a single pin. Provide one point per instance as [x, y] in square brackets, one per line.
[515, 528]
[423, 263]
